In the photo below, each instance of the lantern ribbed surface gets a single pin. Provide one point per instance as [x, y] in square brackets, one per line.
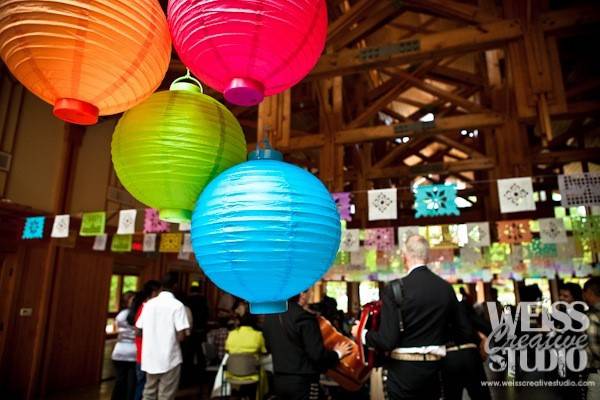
[86, 58]
[264, 231]
[167, 149]
[248, 49]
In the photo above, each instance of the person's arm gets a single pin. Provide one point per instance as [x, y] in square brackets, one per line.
[312, 342]
[182, 324]
[387, 336]
[461, 330]
[139, 323]
[261, 343]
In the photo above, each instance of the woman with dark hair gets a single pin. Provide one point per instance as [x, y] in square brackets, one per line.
[124, 353]
[150, 290]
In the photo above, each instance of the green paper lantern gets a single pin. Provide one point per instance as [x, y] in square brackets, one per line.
[168, 148]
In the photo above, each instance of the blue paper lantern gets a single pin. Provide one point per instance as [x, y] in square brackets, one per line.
[265, 230]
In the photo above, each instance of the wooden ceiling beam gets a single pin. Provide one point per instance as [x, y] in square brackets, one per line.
[436, 91]
[442, 168]
[568, 156]
[451, 10]
[456, 75]
[399, 85]
[433, 46]
[404, 150]
[453, 144]
[554, 22]
[378, 13]
[455, 123]
[348, 19]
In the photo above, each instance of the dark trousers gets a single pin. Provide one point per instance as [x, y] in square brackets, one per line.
[463, 369]
[125, 380]
[413, 380]
[296, 387]
[140, 381]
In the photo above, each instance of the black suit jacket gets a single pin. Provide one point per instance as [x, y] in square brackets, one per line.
[430, 313]
[294, 340]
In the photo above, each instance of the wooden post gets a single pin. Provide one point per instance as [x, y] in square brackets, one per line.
[68, 164]
[274, 117]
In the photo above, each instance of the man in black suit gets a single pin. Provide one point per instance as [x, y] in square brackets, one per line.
[294, 340]
[430, 318]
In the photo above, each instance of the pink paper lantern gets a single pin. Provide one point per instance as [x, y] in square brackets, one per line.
[248, 49]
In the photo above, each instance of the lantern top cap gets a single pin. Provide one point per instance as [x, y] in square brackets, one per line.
[265, 153]
[194, 86]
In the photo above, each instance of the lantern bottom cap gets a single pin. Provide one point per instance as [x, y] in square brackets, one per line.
[269, 307]
[76, 111]
[177, 215]
[244, 92]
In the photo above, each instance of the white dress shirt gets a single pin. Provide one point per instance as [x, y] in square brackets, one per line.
[437, 350]
[162, 317]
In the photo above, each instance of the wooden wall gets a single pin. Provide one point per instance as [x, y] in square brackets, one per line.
[75, 333]
[60, 345]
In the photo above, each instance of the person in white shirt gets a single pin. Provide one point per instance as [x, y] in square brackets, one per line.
[163, 324]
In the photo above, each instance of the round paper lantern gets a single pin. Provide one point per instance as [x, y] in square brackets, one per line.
[166, 149]
[248, 49]
[86, 57]
[265, 230]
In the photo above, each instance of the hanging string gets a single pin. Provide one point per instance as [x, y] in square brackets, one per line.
[538, 178]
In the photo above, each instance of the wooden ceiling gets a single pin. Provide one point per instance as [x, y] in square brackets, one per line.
[511, 85]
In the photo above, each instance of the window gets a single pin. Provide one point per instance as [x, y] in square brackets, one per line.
[339, 291]
[119, 284]
[368, 291]
[506, 291]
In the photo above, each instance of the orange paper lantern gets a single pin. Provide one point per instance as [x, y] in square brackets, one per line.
[86, 58]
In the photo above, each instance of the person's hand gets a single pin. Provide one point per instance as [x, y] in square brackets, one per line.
[354, 329]
[343, 349]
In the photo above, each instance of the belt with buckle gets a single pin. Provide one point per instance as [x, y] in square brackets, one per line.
[396, 355]
[462, 347]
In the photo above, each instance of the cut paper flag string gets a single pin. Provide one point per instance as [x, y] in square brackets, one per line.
[470, 254]
[514, 231]
[149, 244]
[34, 228]
[121, 243]
[441, 255]
[60, 226]
[126, 222]
[382, 204]
[478, 234]
[344, 205]
[350, 240]
[587, 231]
[579, 189]
[152, 223]
[100, 242]
[170, 243]
[183, 255]
[404, 232]
[185, 226]
[552, 230]
[381, 239]
[537, 249]
[515, 195]
[568, 249]
[92, 224]
[435, 200]
[187, 243]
